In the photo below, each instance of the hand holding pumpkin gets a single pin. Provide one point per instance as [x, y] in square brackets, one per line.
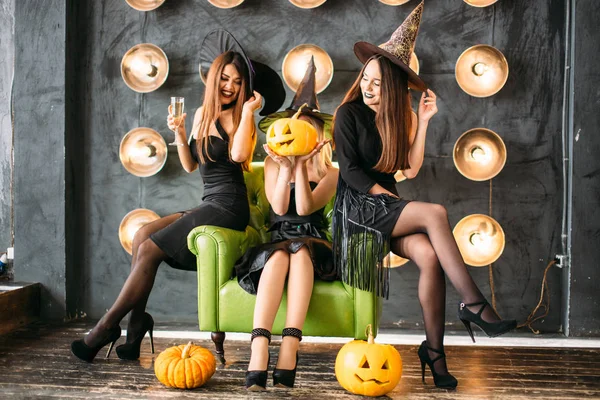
[284, 162]
[253, 103]
[305, 158]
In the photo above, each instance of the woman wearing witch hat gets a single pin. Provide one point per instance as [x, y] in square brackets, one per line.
[298, 189]
[221, 145]
[375, 136]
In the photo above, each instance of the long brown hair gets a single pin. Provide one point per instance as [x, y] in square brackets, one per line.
[393, 118]
[211, 106]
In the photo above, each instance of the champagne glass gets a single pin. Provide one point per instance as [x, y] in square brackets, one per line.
[177, 111]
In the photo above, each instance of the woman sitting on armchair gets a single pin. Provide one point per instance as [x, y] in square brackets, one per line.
[298, 189]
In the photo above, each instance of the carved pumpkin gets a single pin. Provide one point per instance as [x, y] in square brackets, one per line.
[185, 366]
[291, 136]
[368, 369]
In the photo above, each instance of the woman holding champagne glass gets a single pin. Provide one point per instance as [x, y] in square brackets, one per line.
[221, 146]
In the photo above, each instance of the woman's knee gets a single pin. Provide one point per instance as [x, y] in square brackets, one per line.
[438, 211]
[140, 237]
[149, 253]
[280, 259]
[426, 257]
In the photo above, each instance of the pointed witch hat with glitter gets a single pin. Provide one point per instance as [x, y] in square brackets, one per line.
[399, 48]
[305, 94]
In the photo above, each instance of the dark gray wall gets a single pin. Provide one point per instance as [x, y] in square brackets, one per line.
[584, 316]
[526, 113]
[39, 147]
[7, 49]
[68, 206]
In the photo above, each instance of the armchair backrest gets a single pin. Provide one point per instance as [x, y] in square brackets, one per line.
[259, 205]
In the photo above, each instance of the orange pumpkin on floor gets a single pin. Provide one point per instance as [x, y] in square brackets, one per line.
[292, 136]
[185, 366]
[368, 369]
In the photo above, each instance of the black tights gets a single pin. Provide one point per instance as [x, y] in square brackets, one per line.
[147, 256]
[423, 234]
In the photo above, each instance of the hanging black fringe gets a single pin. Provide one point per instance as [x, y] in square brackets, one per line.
[358, 250]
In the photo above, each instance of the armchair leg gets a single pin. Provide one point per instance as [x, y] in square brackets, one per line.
[218, 338]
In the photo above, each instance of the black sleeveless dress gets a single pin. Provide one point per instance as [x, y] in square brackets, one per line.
[290, 232]
[224, 203]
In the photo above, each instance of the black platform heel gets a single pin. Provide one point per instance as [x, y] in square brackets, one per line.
[492, 329]
[257, 380]
[87, 353]
[287, 377]
[131, 350]
[441, 381]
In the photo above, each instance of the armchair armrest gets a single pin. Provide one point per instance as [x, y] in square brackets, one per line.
[367, 309]
[216, 250]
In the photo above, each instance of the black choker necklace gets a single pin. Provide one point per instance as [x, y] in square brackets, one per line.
[228, 106]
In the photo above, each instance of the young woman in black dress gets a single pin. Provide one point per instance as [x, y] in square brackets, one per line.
[222, 143]
[375, 136]
[298, 189]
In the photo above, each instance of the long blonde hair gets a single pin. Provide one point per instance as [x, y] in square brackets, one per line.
[321, 162]
[393, 118]
[211, 106]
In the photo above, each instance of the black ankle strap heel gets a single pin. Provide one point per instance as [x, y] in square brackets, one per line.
[257, 380]
[491, 329]
[286, 377]
[441, 381]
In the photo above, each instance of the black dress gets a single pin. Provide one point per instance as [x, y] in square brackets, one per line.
[290, 232]
[362, 223]
[224, 203]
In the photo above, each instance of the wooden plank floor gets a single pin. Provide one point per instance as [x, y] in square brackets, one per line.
[36, 362]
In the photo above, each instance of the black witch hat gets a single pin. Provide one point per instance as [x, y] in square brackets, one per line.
[263, 79]
[305, 94]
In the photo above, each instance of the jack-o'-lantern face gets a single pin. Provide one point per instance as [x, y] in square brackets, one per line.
[368, 369]
[291, 137]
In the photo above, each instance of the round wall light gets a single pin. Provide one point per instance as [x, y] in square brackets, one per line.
[296, 60]
[307, 3]
[143, 152]
[131, 223]
[394, 260]
[145, 5]
[479, 154]
[225, 3]
[481, 70]
[144, 67]
[480, 239]
[480, 3]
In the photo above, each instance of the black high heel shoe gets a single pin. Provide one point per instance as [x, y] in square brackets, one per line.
[287, 377]
[492, 329]
[131, 350]
[87, 353]
[441, 381]
[257, 380]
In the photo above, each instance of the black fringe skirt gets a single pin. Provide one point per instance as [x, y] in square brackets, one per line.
[362, 230]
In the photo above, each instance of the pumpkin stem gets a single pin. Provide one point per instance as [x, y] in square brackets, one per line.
[369, 332]
[186, 350]
[297, 115]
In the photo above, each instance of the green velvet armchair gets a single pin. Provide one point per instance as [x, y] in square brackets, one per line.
[335, 309]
